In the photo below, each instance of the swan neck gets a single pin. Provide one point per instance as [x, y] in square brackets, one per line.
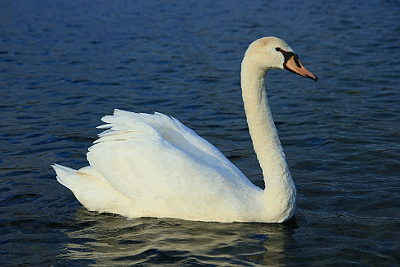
[262, 128]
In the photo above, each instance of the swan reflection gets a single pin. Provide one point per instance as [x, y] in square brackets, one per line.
[109, 240]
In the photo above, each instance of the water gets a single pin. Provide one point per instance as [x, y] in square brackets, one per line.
[64, 64]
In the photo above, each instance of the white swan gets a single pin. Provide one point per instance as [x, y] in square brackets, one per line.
[154, 166]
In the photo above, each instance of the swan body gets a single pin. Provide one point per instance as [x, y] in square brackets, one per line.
[153, 166]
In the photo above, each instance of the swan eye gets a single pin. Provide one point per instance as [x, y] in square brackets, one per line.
[278, 49]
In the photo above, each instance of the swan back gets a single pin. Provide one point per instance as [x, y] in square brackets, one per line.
[168, 170]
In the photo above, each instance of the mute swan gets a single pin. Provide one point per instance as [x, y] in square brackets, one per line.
[153, 166]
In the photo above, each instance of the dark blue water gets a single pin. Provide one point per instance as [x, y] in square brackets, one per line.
[64, 64]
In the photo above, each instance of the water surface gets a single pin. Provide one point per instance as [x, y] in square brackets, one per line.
[63, 65]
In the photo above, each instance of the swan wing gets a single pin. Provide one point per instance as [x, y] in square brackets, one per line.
[156, 159]
[169, 128]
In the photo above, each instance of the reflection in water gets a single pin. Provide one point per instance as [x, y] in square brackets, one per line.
[111, 240]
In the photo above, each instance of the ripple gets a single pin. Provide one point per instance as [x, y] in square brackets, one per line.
[64, 66]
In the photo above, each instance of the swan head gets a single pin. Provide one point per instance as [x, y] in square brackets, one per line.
[274, 53]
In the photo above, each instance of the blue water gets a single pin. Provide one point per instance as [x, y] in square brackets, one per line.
[65, 64]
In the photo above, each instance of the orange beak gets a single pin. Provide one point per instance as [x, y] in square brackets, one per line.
[293, 64]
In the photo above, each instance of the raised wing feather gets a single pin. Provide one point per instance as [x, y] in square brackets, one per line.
[146, 156]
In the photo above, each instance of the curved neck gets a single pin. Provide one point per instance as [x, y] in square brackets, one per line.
[262, 129]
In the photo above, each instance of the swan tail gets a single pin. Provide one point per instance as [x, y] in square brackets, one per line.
[94, 193]
[65, 176]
